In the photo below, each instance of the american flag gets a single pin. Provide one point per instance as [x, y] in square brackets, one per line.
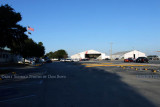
[29, 28]
[29, 33]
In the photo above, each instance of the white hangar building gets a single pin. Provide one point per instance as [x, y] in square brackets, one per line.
[91, 54]
[128, 54]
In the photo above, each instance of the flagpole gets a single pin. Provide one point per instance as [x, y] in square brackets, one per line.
[27, 29]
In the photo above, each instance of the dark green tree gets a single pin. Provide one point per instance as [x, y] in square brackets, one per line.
[40, 43]
[60, 54]
[50, 55]
[29, 48]
[40, 50]
[12, 34]
[32, 49]
[57, 54]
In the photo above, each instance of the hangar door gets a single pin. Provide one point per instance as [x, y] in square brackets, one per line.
[92, 56]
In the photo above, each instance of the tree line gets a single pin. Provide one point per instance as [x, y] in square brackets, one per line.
[13, 35]
[57, 54]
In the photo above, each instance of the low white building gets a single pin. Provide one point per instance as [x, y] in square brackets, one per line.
[6, 56]
[128, 54]
[90, 54]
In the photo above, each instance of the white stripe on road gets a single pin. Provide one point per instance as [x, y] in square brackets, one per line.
[18, 98]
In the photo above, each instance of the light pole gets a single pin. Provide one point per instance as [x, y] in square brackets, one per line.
[111, 51]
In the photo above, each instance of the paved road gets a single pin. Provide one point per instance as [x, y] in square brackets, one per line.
[71, 85]
[122, 61]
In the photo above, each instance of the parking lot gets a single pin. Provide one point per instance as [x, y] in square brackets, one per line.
[144, 78]
[85, 84]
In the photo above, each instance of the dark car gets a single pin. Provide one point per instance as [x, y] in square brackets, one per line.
[142, 60]
[107, 59]
[85, 59]
[128, 60]
[117, 59]
[48, 61]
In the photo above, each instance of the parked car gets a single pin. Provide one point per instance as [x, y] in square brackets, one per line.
[68, 60]
[142, 60]
[48, 61]
[75, 60]
[62, 60]
[128, 60]
[107, 59]
[54, 59]
[85, 59]
[117, 59]
[42, 60]
[27, 60]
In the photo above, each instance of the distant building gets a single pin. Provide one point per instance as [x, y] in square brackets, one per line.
[6, 56]
[90, 54]
[128, 54]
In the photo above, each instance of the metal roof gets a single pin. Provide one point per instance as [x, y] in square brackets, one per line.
[88, 52]
[92, 52]
[121, 53]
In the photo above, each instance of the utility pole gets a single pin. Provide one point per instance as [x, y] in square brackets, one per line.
[111, 51]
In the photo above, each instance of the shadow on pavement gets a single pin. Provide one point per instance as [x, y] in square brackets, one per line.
[83, 87]
[92, 87]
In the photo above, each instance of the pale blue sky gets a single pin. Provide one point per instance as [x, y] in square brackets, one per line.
[79, 25]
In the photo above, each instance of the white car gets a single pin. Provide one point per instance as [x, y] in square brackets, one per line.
[68, 60]
[20, 61]
[76, 60]
[62, 60]
[54, 59]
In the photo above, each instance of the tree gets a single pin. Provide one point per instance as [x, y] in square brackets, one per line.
[40, 50]
[28, 48]
[40, 43]
[32, 49]
[12, 34]
[58, 54]
[50, 55]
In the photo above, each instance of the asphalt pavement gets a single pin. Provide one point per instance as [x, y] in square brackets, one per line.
[69, 84]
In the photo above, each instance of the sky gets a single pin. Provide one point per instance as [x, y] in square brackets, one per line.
[80, 25]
